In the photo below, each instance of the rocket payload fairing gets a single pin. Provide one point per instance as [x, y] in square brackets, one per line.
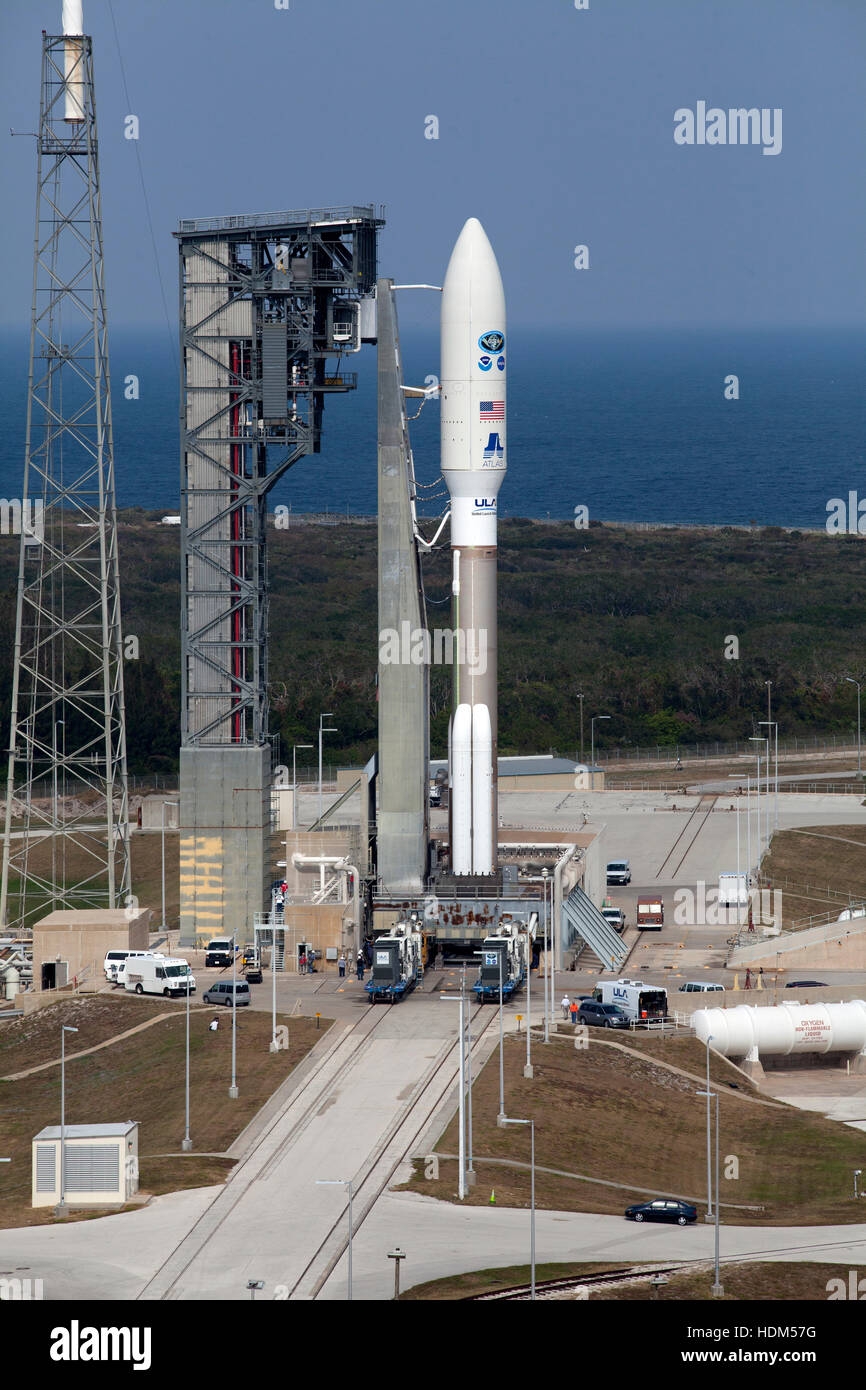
[473, 375]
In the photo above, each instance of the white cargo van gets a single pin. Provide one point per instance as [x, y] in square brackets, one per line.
[119, 975]
[638, 1001]
[159, 975]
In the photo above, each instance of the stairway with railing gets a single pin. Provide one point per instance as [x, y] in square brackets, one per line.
[583, 923]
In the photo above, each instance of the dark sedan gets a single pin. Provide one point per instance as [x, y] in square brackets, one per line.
[664, 1210]
[602, 1015]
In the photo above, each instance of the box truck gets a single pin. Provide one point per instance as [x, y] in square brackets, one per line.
[166, 975]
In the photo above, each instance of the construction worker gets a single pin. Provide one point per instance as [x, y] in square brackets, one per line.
[565, 1005]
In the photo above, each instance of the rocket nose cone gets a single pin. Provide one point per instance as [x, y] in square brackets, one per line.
[472, 265]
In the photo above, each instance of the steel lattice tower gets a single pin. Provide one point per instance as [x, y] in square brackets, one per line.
[68, 732]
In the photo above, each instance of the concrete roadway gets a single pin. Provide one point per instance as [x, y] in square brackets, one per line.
[272, 1222]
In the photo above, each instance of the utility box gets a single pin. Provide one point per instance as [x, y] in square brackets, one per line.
[101, 1165]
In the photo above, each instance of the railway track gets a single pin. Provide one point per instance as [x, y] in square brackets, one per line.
[440, 1078]
[402, 1135]
[701, 811]
[635, 1274]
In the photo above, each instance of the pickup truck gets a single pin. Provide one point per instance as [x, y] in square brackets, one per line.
[615, 916]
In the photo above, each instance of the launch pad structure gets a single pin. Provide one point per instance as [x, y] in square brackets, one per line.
[66, 838]
[265, 301]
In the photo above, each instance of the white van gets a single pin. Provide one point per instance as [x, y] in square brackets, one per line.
[166, 975]
[119, 975]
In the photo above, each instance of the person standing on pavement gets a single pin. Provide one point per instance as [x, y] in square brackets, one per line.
[565, 1005]
[302, 964]
[360, 965]
[573, 1010]
[341, 965]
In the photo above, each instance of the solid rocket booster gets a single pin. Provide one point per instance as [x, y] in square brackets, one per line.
[472, 377]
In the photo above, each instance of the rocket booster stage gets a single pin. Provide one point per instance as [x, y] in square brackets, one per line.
[473, 377]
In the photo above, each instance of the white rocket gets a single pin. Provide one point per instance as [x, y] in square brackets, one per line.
[473, 377]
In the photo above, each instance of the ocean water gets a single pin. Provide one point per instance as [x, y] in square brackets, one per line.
[633, 425]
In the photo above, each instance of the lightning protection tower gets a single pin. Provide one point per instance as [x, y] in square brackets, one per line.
[66, 837]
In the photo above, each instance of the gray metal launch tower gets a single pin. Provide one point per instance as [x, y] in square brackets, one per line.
[66, 838]
[265, 300]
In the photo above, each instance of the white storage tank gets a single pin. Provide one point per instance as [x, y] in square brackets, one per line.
[782, 1029]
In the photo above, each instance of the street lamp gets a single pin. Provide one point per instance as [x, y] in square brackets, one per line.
[580, 698]
[461, 1109]
[709, 1165]
[347, 1183]
[233, 1088]
[531, 1124]
[164, 804]
[546, 956]
[759, 738]
[852, 681]
[858, 1173]
[186, 1142]
[717, 1289]
[295, 779]
[60, 1209]
[592, 723]
[527, 1070]
[774, 725]
[252, 1285]
[323, 731]
[396, 1255]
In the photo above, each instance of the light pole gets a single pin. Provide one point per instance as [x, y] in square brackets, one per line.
[709, 1164]
[546, 957]
[233, 1088]
[60, 1209]
[531, 1124]
[323, 731]
[580, 698]
[717, 1288]
[295, 779]
[858, 1173]
[501, 1116]
[347, 1183]
[252, 1285]
[461, 1111]
[592, 723]
[759, 738]
[396, 1255]
[527, 1070]
[164, 804]
[774, 725]
[852, 681]
[470, 1171]
[186, 1142]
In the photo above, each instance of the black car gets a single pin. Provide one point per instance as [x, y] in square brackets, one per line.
[602, 1015]
[806, 984]
[664, 1209]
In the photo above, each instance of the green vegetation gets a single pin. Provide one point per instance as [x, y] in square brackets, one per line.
[140, 1078]
[636, 621]
[611, 1115]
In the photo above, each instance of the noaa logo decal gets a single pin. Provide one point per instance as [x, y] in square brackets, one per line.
[485, 363]
[492, 341]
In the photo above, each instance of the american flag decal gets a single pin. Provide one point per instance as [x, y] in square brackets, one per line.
[492, 410]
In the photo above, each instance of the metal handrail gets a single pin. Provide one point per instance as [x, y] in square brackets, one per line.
[294, 217]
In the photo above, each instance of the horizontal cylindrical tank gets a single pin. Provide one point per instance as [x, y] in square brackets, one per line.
[784, 1028]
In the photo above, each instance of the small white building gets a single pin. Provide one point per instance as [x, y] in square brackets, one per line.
[101, 1165]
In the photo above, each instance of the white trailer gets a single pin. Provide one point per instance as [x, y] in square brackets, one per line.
[166, 975]
[642, 1003]
[733, 890]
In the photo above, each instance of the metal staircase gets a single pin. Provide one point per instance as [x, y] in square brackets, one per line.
[583, 923]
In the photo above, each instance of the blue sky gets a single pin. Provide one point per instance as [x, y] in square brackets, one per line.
[555, 128]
